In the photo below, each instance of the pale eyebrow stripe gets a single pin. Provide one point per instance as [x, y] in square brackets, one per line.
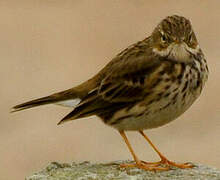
[161, 31]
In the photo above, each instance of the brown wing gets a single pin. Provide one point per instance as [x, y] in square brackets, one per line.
[122, 83]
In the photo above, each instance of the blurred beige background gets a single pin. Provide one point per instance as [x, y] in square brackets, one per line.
[51, 45]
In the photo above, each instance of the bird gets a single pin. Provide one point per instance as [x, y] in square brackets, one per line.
[145, 86]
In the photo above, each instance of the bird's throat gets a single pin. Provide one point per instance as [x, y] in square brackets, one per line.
[177, 52]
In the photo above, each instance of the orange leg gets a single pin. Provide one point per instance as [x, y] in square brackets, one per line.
[139, 164]
[164, 160]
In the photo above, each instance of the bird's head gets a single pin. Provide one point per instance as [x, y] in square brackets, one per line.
[175, 39]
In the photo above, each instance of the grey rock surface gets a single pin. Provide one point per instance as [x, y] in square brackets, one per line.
[112, 171]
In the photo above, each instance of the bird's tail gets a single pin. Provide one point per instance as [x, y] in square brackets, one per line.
[65, 98]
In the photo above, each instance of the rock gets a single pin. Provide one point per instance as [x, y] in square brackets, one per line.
[112, 171]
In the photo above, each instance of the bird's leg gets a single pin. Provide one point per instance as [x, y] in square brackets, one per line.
[164, 160]
[138, 163]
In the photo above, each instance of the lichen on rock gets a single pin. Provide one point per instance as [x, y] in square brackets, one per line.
[112, 171]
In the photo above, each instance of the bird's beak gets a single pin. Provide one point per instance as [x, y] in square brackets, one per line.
[178, 41]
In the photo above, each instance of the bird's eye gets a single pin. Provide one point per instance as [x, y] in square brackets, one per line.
[163, 38]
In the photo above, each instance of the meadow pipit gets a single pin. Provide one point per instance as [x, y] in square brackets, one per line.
[147, 85]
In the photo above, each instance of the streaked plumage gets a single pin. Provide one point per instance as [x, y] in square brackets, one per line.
[147, 85]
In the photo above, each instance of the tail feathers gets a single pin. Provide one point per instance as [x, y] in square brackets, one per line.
[91, 105]
[69, 102]
[34, 103]
[85, 108]
[77, 113]
[65, 98]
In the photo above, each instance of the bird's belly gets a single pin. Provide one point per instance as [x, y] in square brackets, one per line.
[156, 116]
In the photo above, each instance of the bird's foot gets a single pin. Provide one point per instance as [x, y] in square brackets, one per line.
[178, 165]
[165, 162]
[145, 165]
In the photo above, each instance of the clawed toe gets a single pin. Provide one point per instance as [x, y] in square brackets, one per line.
[145, 166]
[152, 163]
[162, 165]
[182, 166]
[166, 162]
